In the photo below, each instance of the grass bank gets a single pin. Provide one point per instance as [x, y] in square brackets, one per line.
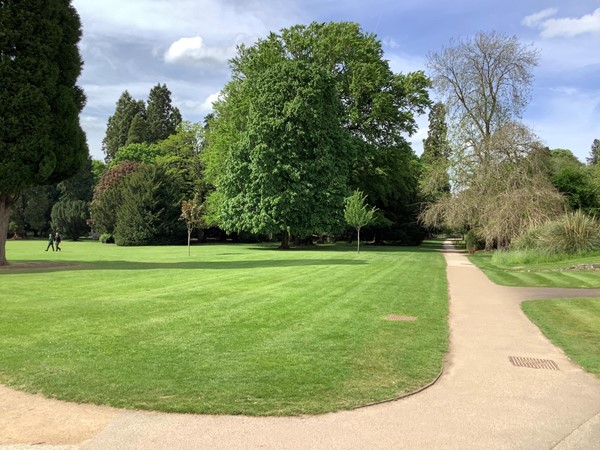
[573, 325]
[527, 269]
[233, 329]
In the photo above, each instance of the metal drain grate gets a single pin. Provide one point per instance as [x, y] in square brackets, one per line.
[533, 363]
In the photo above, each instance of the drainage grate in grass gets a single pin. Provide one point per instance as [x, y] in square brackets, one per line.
[401, 318]
[533, 363]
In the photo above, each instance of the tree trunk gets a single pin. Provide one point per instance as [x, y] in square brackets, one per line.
[285, 241]
[4, 217]
[358, 240]
[189, 240]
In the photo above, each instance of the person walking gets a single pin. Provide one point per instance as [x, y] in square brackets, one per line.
[50, 242]
[57, 240]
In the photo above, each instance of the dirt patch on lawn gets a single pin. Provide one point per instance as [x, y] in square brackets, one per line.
[401, 318]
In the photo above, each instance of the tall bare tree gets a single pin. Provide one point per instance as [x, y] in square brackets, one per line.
[485, 81]
[499, 185]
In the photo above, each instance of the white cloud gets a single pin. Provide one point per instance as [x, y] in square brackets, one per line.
[207, 105]
[565, 26]
[192, 50]
[536, 19]
[568, 27]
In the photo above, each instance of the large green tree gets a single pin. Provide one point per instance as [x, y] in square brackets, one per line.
[378, 106]
[576, 181]
[41, 141]
[288, 173]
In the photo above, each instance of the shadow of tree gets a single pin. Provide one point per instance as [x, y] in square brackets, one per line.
[177, 265]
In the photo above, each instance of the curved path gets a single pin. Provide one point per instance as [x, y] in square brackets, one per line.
[481, 401]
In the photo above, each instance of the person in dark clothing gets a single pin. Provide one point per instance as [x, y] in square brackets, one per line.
[50, 242]
[57, 240]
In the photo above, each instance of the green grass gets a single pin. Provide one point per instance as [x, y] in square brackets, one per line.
[572, 324]
[526, 270]
[233, 329]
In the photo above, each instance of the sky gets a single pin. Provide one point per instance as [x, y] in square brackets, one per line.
[135, 44]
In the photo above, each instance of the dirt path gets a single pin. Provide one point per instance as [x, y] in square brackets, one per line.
[482, 400]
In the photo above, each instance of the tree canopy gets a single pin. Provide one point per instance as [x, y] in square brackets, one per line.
[41, 140]
[377, 106]
[134, 122]
[289, 170]
[485, 81]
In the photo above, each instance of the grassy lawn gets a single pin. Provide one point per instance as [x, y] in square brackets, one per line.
[546, 274]
[233, 329]
[572, 324]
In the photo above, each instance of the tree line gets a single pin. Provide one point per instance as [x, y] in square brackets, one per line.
[311, 114]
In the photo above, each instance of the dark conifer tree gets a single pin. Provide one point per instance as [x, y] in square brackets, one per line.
[41, 141]
[117, 128]
[162, 116]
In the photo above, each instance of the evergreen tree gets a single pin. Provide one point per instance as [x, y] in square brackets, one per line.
[41, 141]
[107, 196]
[149, 211]
[70, 218]
[117, 128]
[38, 205]
[162, 117]
[435, 180]
[436, 145]
[138, 131]
[594, 157]
[80, 186]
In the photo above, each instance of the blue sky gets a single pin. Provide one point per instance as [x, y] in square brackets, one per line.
[135, 44]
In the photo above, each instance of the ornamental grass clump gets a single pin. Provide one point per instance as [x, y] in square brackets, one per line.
[570, 234]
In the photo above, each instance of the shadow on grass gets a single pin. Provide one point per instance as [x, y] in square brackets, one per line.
[426, 246]
[188, 265]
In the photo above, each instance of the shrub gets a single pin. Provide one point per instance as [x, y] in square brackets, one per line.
[472, 241]
[528, 240]
[107, 238]
[572, 233]
[149, 212]
[107, 196]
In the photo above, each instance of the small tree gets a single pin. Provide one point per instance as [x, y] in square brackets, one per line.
[192, 212]
[357, 213]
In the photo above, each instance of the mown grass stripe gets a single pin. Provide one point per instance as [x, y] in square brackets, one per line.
[233, 329]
